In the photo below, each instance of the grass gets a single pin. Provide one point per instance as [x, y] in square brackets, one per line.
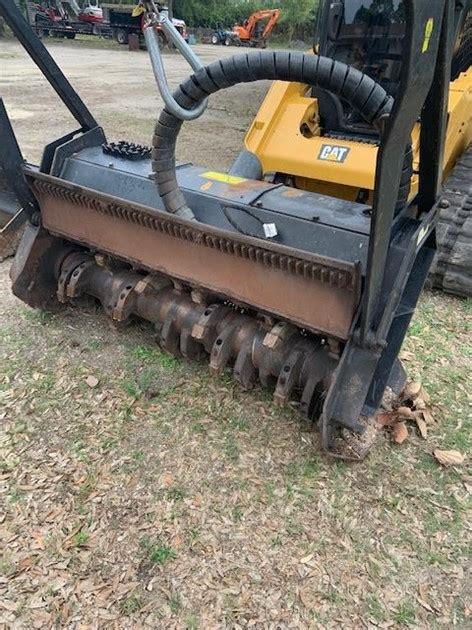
[157, 552]
[250, 492]
[131, 605]
[155, 356]
[81, 538]
[176, 494]
[405, 614]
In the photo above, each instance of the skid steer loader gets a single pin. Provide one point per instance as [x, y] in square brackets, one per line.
[308, 138]
[303, 291]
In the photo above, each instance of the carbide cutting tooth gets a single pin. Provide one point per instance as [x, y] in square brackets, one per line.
[205, 329]
[289, 377]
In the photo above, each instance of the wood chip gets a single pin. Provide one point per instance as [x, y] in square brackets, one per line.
[449, 458]
[422, 426]
[427, 416]
[412, 390]
[405, 412]
[420, 404]
[400, 433]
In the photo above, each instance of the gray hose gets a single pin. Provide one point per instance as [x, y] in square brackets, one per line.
[361, 92]
[152, 42]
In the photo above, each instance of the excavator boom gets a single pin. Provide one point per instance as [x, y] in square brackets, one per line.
[299, 132]
[251, 31]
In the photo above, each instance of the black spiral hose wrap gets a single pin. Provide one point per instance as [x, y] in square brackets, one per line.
[361, 92]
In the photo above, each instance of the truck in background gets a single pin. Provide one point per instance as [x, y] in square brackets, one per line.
[123, 22]
[68, 18]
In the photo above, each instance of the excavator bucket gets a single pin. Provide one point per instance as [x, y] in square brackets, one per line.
[301, 292]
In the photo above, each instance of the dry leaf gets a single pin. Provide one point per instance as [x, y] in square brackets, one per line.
[92, 381]
[412, 390]
[422, 426]
[400, 433]
[405, 412]
[425, 604]
[167, 479]
[449, 458]
[386, 419]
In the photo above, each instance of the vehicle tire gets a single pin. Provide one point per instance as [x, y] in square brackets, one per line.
[121, 36]
[452, 268]
[70, 35]
[215, 40]
[228, 41]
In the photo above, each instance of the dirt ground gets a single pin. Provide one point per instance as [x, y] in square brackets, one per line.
[120, 90]
[161, 498]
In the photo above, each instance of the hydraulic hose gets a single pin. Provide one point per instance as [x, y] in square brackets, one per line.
[362, 93]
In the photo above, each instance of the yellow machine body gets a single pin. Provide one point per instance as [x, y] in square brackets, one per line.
[286, 137]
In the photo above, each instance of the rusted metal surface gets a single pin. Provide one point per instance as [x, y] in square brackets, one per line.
[192, 325]
[314, 292]
[34, 270]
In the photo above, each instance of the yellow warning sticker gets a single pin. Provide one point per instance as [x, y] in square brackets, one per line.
[223, 177]
[427, 34]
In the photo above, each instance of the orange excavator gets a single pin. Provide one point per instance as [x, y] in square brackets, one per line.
[256, 29]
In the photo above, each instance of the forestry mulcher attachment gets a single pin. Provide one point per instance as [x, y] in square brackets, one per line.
[306, 293]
